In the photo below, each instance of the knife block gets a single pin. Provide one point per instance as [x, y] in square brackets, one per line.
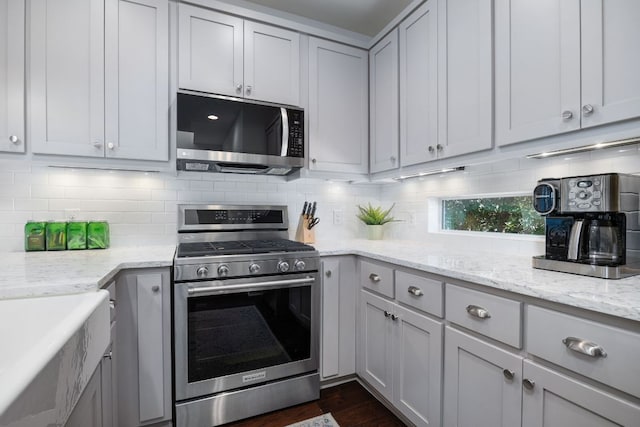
[303, 234]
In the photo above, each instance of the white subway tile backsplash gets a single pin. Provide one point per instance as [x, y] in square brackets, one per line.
[201, 185]
[31, 205]
[150, 206]
[164, 195]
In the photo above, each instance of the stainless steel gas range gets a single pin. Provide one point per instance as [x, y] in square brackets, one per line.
[246, 315]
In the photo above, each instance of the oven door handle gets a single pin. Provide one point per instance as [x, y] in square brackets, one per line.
[199, 291]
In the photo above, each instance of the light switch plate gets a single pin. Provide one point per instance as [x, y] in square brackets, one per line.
[337, 217]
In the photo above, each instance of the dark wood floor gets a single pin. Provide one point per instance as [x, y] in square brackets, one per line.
[350, 404]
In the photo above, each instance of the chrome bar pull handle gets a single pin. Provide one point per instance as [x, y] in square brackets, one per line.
[374, 278]
[479, 312]
[584, 347]
[415, 291]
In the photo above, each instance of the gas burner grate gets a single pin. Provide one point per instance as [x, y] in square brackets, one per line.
[239, 247]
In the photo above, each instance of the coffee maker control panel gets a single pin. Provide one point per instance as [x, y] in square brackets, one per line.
[589, 194]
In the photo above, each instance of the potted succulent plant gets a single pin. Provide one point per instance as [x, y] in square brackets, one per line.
[375, 218]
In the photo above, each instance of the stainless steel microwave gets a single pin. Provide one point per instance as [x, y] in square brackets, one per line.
[225, 134]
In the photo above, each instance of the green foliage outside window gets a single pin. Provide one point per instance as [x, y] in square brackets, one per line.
[498, 214]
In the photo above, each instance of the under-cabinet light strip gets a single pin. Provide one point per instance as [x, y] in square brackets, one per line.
[431, 172]
[585, 148]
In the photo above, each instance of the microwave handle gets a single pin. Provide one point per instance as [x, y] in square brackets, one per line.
[574, 240]
[285, 132]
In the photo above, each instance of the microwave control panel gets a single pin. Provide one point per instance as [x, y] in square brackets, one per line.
[296, 133]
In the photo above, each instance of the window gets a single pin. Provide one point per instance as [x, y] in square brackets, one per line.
[512, 214]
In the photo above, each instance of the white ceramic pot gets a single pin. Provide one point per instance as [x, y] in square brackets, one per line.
[375, 232]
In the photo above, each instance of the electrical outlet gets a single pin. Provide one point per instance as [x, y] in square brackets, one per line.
[71, 214]
[337, 217]
[412, 217]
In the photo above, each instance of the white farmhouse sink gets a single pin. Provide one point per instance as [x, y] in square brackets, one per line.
[49, 347]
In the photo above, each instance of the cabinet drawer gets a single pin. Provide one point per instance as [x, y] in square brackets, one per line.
[547, 330]
[496, 317]
[376, 277]
[419, 292]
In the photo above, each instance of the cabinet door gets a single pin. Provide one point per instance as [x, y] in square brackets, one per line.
[610, 60]
[383, 84]
[537, 68]
[482, 383]
[271, 63]
[419, 85]
[330, 345]
[137, 98]
[88, 409]
[376, 343]
[66, 94]
[209, 51]
[417, 365]
[144, 348]
[465, 77]
[338, 107]
[557, 400]
[12, 21]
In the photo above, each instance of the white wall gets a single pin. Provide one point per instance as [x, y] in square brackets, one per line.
[142, 207]
[414, 197]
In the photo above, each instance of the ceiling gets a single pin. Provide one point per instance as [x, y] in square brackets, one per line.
[366, 17]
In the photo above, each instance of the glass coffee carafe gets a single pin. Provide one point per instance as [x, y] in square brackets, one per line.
[603, 239]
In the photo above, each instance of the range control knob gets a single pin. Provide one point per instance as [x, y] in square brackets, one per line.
[299, 265]
[223, 270]
[254, 268]
[283, 266]
[202, 271]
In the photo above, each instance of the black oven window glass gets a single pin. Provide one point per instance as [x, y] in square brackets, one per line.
[230, 126]
[230, 334]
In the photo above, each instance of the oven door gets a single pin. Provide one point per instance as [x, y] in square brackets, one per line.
[236, 333]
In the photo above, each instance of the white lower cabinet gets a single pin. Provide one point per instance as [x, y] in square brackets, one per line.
[143, 347]
[338, 334]
[482, 383]
[401, 357]
[553, 399]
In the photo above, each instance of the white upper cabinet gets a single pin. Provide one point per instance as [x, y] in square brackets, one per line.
[136, 82]
[66, 94]
[95, 96]
[610, 61]
[465, 77]
[384, 104]
[12, 19]
[576, 72]
[419, 85]
[338, 107]
[227, 55]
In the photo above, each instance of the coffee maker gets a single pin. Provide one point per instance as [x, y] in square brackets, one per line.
[592, 225]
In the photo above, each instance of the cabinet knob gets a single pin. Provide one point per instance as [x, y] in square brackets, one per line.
[431, 149]
[14, 139]
[108, 355]
[508, 374]
[238, 88]
[313, 161]
[528, 384]
[439, 147]
[155, 289]
[567, 115]
[415, 291]
[393, 159]
[587, 109]
[327, 273]
[374, 278]
[387, 314]
[584, 347]
[479, 312]
[394, 317]
[112, 304]
[97, 144]
[111, 145]
[248, 90]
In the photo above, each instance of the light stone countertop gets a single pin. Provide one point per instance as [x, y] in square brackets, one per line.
[66, 272]
[620, 298]
[28, 274]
